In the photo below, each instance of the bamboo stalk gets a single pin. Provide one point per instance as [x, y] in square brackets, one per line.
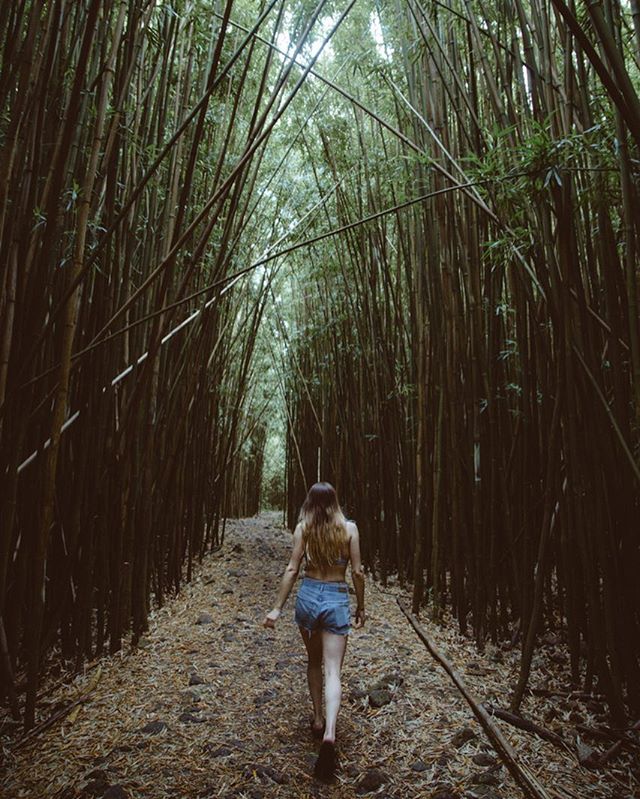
[522, 776]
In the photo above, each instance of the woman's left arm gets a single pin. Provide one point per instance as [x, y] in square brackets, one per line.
[288, 578]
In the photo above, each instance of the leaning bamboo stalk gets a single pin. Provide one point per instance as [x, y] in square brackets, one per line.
[527, 783]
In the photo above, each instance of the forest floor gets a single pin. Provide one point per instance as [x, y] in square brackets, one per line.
[211, 704]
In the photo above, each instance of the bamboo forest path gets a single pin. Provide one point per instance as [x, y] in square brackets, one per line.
[213, 705]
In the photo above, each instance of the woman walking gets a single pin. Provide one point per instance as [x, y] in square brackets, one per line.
[328, 542]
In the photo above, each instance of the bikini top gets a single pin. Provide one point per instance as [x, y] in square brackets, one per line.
[337, 562]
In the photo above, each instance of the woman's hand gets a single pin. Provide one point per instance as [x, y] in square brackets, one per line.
[271, 618]
[360, 618]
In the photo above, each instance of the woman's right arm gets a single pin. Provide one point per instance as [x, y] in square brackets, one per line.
[288, 578]
[357, 573]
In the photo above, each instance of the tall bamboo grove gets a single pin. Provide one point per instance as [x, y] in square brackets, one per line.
[460, 354]
[132, 137]
[466, 369]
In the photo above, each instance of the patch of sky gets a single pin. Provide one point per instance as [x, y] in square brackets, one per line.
[314, 42]
[375, 26]
[257, 275]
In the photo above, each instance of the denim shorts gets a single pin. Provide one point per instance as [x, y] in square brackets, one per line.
[323, 605]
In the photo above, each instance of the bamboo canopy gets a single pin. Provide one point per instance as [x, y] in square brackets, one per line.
[394, 245]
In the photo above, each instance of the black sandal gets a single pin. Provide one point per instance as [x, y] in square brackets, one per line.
[327, 762]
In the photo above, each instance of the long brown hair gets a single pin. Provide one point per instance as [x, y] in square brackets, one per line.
[324, 526]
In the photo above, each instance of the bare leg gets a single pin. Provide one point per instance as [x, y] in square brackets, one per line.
[333, 649]
[313, 643]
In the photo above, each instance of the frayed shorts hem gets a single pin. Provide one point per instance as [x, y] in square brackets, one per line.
[312, 630]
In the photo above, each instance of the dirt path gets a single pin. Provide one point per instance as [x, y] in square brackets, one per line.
[240, 729]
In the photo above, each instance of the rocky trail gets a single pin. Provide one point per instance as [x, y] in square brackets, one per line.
[210, 704]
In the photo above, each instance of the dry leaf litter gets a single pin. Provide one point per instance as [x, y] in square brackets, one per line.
[211, 704]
